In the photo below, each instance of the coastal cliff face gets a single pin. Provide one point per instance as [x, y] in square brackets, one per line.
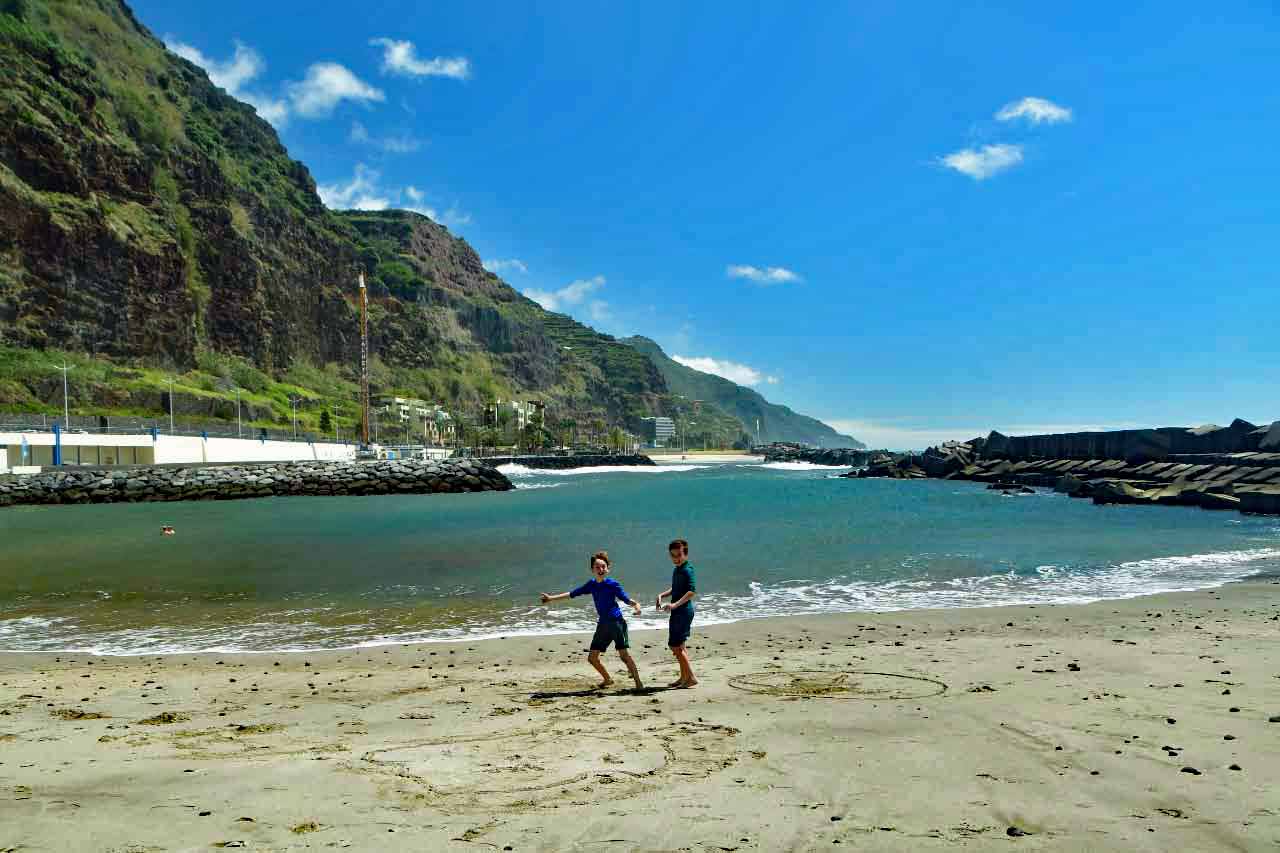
[149, 218]
[152, 219]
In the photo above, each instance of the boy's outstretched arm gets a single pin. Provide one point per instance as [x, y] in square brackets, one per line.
[559, 596]
[622, 595]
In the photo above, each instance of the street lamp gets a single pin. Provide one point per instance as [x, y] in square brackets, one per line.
[239, 434]
[66, 411]
[293, 403]
[170, 382]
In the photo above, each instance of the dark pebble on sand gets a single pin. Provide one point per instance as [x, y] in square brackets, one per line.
[1235, 767]
[1234, 710]
[205, 814]
[1170, 720]
[1275, 719]
[1228, 737]
[836, 817]
[1191, 770]
[1014, 832]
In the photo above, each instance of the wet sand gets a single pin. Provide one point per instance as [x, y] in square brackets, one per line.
[1137, 725]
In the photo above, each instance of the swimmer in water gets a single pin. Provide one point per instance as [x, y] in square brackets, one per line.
[166, 530]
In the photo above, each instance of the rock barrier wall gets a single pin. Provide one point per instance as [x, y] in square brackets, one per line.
[1249, 482]
[814, 456]
[565, 462]
[231, 482]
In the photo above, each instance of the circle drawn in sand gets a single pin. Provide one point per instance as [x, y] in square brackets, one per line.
[533, 768]
[820, 684]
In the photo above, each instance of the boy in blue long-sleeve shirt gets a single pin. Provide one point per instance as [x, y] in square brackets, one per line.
[610, 627]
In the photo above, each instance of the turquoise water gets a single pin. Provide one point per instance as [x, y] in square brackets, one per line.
[308, 573]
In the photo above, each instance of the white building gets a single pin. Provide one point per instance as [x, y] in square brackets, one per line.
[659, 431]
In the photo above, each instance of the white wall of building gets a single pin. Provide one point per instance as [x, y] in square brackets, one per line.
[4, 460]
[181, 448]
[164, 449]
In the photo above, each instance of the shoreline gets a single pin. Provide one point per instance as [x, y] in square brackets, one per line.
[1261, 577]
[918, 730]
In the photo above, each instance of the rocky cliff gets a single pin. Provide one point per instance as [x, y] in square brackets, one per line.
[151, 218]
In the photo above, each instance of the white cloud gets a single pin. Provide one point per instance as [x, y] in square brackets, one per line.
[570, 295]
[599, 311]
[232, 74]
[897, 435]
[731, 370]
[452, 217]
[765, 275]
[501, 265]
[403, 144]
[326, 85]
[1036, 111]
[401, 57]
[980, 165]
[362, 192]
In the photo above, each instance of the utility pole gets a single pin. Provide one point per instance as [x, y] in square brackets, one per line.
[335, 424]
[293, 404]
[170, 382]
[364, 362]
[239, 433]
[66, 411]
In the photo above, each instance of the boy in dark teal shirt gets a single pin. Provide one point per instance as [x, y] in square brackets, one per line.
[611, 627]
[682, 592]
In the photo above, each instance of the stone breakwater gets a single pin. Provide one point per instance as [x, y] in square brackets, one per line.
[814, 456]
[232, 482]
[564, 462]
[1249, 482]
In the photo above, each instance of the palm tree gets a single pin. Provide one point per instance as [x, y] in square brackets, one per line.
[567, 428]
[616, 439]
[597, 430]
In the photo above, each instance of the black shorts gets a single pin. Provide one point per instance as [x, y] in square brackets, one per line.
[680, 625]
[610, 631]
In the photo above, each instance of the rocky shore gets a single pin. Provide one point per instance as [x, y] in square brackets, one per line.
[1235, 467]
[558, 463]
[815, 456]
[231, 482]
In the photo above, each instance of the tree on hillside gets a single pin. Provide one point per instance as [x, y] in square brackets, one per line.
[568, 432]
[326, 422]
[597, 430]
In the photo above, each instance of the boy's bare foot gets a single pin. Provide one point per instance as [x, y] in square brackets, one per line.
[693, 682]
[679, 682]
[608, 682]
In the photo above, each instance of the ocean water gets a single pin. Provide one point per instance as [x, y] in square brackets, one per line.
[297, 574]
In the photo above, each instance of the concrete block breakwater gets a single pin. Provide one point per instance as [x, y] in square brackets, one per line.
[1249, 482]
[233, 482]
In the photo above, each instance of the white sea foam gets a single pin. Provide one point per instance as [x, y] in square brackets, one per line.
[1047, 584]
[516, 470]
[537, 485]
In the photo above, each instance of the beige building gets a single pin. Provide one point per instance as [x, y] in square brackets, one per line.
[434, 423]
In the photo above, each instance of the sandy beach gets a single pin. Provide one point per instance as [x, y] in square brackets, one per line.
[1145, 724]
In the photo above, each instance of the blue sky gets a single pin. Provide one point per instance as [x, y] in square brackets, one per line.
[914, 221]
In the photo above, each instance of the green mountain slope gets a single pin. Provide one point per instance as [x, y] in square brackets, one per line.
[777, 423]
[154, 226]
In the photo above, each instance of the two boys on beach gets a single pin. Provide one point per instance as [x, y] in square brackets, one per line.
[611, 627]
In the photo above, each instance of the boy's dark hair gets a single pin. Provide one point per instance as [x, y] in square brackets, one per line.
[598, 555]
[680, 544]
